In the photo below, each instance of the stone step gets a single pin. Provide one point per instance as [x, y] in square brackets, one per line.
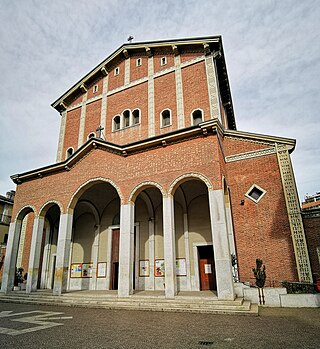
[219, 307]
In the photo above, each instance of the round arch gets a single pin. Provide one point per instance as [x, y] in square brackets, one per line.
[92, 209]
[147, 184]
[24, 211]
[187, 177]
[86, 185]
[46, 206]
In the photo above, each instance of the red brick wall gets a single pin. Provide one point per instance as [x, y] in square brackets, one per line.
[90, 93]
[162, 165]
[27, 243]
[132, 98]
[312, 231]
[93, 112]
[138, 72]
[115, 81]
[165, 92]
[261, 229]
[233, 146]
[72, 131]
[190, 55]
[195, 91]
[157, 61]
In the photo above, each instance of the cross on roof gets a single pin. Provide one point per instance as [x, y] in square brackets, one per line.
[99, 130]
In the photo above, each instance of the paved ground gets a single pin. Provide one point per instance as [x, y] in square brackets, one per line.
[98, 328]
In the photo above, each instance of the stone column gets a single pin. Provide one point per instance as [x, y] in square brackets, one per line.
[10, 259]
[35, 252]
[94, 253]
[151, 251]
[169, 247]
[187, 249]
[126, 250]
[220, 241]
[63, 254]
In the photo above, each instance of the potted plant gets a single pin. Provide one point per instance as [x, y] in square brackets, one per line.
[259, 273]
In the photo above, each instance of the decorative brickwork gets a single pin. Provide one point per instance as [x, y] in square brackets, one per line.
[293, 208]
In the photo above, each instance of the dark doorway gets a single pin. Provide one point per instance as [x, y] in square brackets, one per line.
[115, 259]
[206, 268]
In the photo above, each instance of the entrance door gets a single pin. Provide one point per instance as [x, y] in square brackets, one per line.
[206, 268]
[115, 259]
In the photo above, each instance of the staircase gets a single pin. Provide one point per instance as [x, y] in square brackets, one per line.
[140, 301]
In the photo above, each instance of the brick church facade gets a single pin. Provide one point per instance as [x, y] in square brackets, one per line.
[154, 187]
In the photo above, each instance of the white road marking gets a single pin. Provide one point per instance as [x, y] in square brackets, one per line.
[41, 320]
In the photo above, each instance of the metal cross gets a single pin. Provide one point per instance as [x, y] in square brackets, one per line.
[99, 130]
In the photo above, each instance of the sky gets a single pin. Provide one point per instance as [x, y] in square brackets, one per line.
[271, 48]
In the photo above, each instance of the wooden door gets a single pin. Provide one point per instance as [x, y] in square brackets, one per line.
[206, 268]
[115, 259]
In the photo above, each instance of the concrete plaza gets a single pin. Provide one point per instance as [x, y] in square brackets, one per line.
[66, 327]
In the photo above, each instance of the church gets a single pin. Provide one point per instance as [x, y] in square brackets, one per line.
[154, 188]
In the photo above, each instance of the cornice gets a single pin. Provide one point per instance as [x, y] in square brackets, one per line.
[125, 49]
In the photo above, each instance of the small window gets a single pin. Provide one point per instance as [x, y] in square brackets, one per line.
[126, 118]
[91, 135]
[163, 60]
[255, 193]
[69, 152]
[116, 71]
[116, 123]
[196, 117]
[139, 62]
[95, 89]
[136, 116]
[165, 118]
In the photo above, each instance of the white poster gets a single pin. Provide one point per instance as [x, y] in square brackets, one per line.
[207, 269]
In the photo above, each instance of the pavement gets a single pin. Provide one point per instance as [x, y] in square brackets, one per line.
[36, 326]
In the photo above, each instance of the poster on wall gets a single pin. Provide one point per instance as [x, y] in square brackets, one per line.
[86, 270]
[159, 269]
[102, 270]
[144, 268]
[75, 270]
[181, 267]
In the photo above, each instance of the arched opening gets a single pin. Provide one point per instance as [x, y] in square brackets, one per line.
[94, 253]
[148, 240]
[193, 238]
[165, 118]
[49, 241]
[116, 123]
[69, 152]
[16, 262]
[126, 118]
[136, 116]
[197, 117]
[22, 261]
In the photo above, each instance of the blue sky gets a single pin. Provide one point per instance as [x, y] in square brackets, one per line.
[271, 47]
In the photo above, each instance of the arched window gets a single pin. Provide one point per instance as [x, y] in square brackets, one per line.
[126, 118]
[136, 116]
[165, 118]
[69, 152]
[197, 117]
[116, 123]
[91, 135]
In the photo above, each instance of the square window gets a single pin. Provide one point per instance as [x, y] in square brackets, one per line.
[255, 193]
